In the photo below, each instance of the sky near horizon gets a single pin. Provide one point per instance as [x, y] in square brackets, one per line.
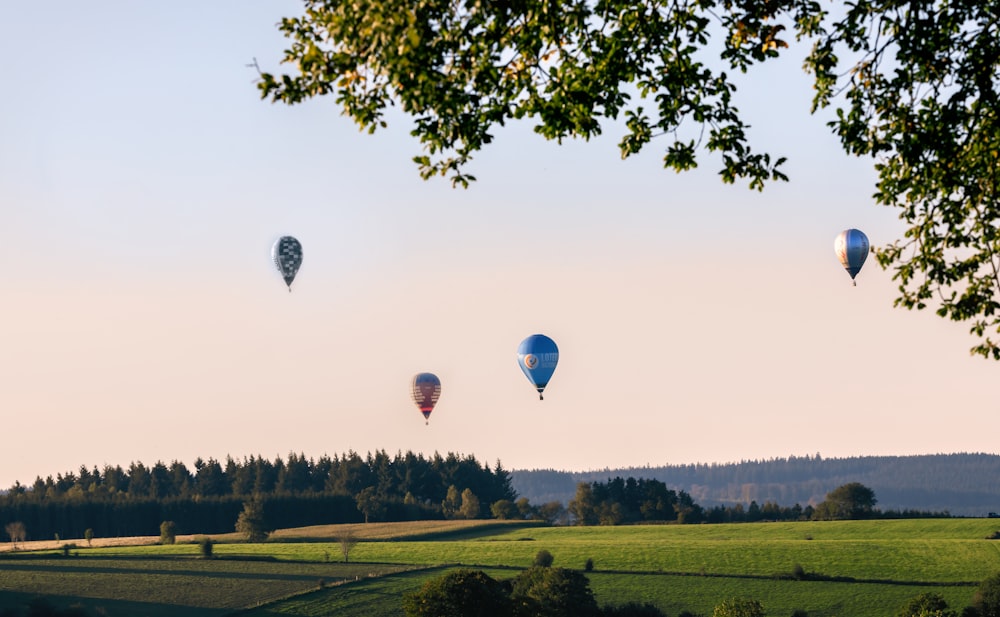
[143, 182]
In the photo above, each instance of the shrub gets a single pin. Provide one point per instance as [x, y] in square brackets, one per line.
[88, 535]
[589, 566]
[205, 544]
[463, 592]
[168, 532]
[250, 522]
[543, 558]
[739, 607]
[632, 609]
[928, 603]
[553, 592]
[987, 598]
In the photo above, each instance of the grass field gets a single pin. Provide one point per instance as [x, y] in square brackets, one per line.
[879, 565]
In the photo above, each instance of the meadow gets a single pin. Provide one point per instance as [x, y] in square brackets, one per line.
[856, 568]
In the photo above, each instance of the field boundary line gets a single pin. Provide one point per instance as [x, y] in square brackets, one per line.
[330, 585]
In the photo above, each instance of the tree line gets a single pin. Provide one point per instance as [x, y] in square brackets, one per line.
[298, 492]
[295, 491]
[628, 501]
[964, 484]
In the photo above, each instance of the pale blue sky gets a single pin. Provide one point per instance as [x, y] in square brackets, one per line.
[143, 181]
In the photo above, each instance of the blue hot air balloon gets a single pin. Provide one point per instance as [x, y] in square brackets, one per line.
[425, 389]
[851, 247]
[287, 257]
[537, 356]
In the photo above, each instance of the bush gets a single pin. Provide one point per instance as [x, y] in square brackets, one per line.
[633, 609]
[88, 535]
[206, 544]
[928, 603]
[987, 598]
[553, 592]
[66, 548]
[739, 607]
[459, 593]
[168, 532]
[589, 566]
[250, 523]
[504, 509]
[543, 558]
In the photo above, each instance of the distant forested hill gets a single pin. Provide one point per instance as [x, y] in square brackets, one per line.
[962, 484]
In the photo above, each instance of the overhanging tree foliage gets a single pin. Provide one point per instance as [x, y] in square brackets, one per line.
[914, 83]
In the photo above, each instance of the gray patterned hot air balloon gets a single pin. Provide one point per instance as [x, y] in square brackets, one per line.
[287, 257]
[851, 247]
[425, 389]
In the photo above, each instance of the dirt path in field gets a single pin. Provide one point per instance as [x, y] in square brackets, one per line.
[44, 545]
[318, 533]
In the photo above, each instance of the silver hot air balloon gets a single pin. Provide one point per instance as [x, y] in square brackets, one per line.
[851, 247]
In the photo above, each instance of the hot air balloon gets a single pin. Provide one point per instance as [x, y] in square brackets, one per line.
[287, 257]
[851, 247]
[425, 389]
[537, 356]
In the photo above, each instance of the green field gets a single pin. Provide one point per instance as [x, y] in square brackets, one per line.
[855, 568]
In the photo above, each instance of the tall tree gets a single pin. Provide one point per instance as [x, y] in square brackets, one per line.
[181, 478]
[850, 501]
[452, 504]
[915, 85]
[138, 480]
[209, 479]
[160, 484]
[583, 506]
[347, 542]
[250, 523]
[371, 503]
[16, 532]
[470, 507]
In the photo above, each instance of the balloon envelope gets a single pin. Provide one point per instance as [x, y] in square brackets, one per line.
[287, 257]
[425, 389]
[537, 356]
[851, 247]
